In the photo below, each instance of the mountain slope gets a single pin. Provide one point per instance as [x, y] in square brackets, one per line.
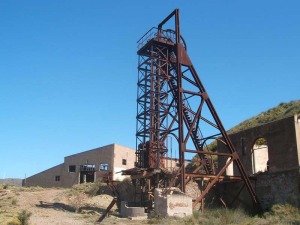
[281, 111]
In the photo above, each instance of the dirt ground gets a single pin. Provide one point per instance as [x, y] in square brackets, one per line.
[76, 206]
[58, 207]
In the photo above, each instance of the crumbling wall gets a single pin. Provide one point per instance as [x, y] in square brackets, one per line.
[280, 187]
[280, 183]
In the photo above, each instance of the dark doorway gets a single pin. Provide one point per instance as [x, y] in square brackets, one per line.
[87, 173]
[89, 177]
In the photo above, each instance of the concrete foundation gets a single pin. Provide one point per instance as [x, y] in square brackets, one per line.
[133, 213]
[172, 202]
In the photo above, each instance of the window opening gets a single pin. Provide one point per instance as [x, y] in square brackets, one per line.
[57, 178]
[87, 167]
[229, 169]
[260, 156]
[72, 168]
[124, 162]
[103, 166]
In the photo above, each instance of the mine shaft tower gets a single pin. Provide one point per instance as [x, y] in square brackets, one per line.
[174, 107]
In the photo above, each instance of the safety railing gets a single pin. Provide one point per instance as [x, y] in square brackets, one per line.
[164, 35]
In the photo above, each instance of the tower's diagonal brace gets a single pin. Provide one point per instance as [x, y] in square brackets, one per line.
[172, 101]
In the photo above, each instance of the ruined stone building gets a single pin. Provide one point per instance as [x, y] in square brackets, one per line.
[88, 166]
[271, 156]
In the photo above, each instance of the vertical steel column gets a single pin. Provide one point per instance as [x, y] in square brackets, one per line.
[182, 146]
[173, 101]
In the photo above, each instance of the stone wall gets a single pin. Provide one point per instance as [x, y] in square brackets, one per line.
[280, 183]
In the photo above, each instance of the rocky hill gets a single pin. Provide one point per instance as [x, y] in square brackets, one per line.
[11, 181]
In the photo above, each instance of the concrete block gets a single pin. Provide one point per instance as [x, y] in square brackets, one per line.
[132, 212]
[172, 202]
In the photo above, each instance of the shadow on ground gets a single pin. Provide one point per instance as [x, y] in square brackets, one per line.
[64, 207]
[56, 205]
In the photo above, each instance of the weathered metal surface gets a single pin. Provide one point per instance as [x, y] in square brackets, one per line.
[173, 103]
[109, 181]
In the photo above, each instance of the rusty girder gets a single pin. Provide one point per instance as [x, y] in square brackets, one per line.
[172, 101]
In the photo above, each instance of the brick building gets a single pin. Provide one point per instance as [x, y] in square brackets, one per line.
[88, 166]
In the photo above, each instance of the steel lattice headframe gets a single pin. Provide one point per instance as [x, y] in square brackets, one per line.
[174, 112]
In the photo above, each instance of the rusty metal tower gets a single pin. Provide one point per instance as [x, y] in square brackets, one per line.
[173, 105]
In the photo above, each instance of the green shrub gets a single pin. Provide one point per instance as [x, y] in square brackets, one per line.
[221, 216]
[283, 214]
[23, 217]
[14, 201]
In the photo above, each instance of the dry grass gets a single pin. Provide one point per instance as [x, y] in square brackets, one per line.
[81, 199]
[279, 214]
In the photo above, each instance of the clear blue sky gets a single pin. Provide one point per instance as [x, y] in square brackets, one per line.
[68, 69]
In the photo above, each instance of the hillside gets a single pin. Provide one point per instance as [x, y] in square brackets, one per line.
[281, 111]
